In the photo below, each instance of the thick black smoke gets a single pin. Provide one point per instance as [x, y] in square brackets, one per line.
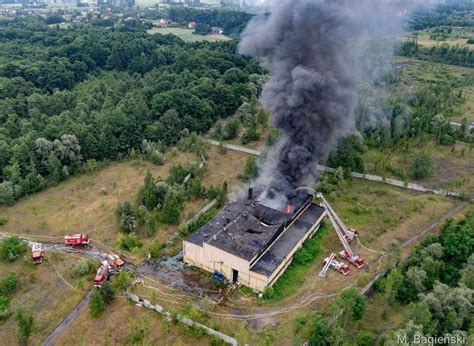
[317, 52]
[306, 45]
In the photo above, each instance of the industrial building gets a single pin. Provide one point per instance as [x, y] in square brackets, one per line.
[252, 244]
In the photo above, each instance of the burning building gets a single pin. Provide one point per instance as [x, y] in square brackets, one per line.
[251, 243]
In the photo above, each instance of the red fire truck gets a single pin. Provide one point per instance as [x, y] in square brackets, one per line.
[114, 261]
[102, 274]
[76, 240]
[37, 253]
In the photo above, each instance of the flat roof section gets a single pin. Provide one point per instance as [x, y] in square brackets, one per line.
[280, 249]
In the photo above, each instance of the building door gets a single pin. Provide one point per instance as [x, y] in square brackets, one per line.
[235, 276]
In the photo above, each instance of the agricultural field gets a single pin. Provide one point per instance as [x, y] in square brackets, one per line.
[187, 35]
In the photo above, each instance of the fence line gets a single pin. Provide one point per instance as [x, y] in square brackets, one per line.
[370, 177]
[158, 308]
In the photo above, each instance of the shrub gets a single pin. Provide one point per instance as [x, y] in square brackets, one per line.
[123, 280]
[96, 303]
[3, 220]
[422, 166]
[8, 284]
[107, 291]
[82, 268]
[12, 248]
[157, 158]
[139, 328]
[154, 250]
[231, 129]
[7, 194]
[25, 322]
[129, 242]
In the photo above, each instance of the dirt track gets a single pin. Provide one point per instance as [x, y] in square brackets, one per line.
[67, 321]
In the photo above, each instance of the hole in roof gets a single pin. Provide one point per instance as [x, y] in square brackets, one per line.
[252, 231]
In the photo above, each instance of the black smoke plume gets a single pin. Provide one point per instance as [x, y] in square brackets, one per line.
[306, 45]
[313, 51]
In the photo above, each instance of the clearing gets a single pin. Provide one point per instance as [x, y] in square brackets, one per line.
[187, 35]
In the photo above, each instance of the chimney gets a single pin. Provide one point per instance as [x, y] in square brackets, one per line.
[250, 192]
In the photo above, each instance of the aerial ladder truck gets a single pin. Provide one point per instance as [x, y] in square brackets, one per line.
[349, 233]
[347, 254]
[331, 262]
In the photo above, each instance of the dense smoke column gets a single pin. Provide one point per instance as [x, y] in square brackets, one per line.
[306, 45]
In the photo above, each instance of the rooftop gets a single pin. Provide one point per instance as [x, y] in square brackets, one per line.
[247, 228]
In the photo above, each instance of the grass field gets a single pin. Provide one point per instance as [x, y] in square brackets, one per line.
[452, 164]
[187, 35]
[114, 327]
[420, 73]
[459, 36]
[77, 205]
[44, 292]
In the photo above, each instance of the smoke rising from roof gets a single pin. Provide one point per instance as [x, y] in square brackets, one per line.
[313, 51]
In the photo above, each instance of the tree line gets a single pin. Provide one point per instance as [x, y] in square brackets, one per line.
[450, 14]
[444, 53]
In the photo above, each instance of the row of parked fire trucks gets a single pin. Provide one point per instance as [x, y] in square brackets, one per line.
[111, 265]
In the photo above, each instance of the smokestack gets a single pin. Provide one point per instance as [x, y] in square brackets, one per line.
[250, 193]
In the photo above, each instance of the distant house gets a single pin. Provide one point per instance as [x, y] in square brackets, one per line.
[163, 23]
[192, 25]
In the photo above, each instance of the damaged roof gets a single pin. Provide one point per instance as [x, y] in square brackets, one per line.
[280, 249]
[241, 229]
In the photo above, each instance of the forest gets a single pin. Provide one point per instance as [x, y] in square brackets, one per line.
[72, 98]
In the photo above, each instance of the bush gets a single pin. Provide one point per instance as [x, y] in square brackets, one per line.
[7, 194]
[154, 250]
[25, 322]
[82, 268]
[96, 304]
[422, 166]
[12, 248]
[157, 158]
[250, 169]
[231, 129]
[129, 242]
[123, 280]
[365, 338]
[251, 134]
[3, 220]
[107, 291]
[8, 284]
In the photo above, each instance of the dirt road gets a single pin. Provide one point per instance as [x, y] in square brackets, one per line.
[67, 321]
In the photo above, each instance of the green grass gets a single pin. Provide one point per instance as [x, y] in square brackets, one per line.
[187, 35]
[296, 274]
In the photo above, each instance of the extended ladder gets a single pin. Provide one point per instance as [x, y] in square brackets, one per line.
[328, 260]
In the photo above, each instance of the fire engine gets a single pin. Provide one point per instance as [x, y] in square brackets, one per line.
[76, 240]
[341, 231]
[102, 274]
[330, 261]
[114, 261]
[37, 253]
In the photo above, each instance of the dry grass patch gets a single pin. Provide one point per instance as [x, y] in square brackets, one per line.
[42, 291]
[114, 328]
